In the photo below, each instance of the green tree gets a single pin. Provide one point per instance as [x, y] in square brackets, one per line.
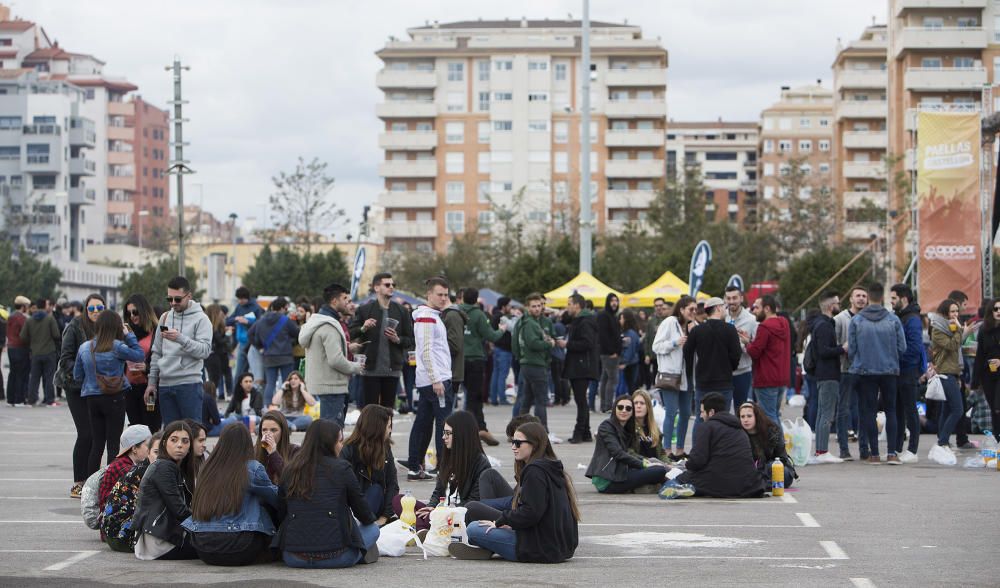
[22, 273]
[629, 261]
[803, 217]
[463, 264]
[295, 274]
[539, 267]
[301, 204]
[806, 273]
[151, 280]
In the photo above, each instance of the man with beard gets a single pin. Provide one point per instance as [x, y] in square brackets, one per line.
[771, 352]
[912, 363]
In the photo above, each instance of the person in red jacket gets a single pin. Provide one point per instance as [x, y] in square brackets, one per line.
[771, 352]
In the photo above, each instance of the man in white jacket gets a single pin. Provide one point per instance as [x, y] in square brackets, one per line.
[433, 377]
[328, 365]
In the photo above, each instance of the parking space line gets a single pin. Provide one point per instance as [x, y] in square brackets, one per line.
[70, 561]
[36, 498]
[70, 522]
[63, 480]
[789, 499]
[807, 519]
[671, 525]
[833, 549]
[673, 503]
[862, 583]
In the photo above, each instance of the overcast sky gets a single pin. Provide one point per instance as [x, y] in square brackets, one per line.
[271, 80]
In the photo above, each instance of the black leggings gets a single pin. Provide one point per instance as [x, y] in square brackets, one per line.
[135, 408]
[582, 428]
[475, 381]
[493, 485]
[81, 420]
[637, 477]
[380, 390]
[107, 419]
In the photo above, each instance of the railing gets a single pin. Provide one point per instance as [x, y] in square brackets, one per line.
[38, 159]
[42, 129]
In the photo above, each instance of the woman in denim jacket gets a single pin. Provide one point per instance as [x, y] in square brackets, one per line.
[105, 355]
[229, 523]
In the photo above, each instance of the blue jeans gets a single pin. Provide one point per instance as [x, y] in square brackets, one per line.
[741, 388]
[847, 412]
[827, 398]
[498, 380]
[430, 419]
[698, 395]
[374, 497]
[331, 407]
[217, 429]
[952, 410]
[674, 403]
[769, 400]
[906, 410]
[242, 364]
[534, 391]
[300, 423]
[636, 477]
[592, 394]
[345, 559]
[182, 401]
[502, 542]
[500, 504]
[868, 391]
[409, 376]
[43, 369]
[275, 375]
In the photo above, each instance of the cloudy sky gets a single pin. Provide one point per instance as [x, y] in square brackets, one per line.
[271, 81]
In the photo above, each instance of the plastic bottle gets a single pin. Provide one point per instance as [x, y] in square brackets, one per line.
[430, 459]
[989, 450]
[777, 478]
[409, 515]
[441, 503]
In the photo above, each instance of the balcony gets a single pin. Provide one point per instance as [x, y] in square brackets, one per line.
[121, 133]
[635, 168]
[864, 169]
[42, 163]
[410, 199]
[634, 138]
[126, 183]
[406, 109]
[42, 129]
[860, 79]
[408, 169]
[910, 122]
[858, 199]
[82, 195]
[904, 5]
[636, 77]
[408, 140]
[866, 139]
[121, 158]
[636, 108]
[628, 198]
[79, 166]
[862, 109]
[406, 78]
[911, 38]
[944, 78]
[121, 109]
[81, 133]
[861, 231]
[409, 230]
[748, 185]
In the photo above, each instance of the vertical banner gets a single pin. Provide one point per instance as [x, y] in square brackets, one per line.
[948, 160]
[736, 280]
[700, 259]
[359, 270]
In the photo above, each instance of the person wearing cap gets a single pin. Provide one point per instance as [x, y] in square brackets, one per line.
[134, 448]
[18, 354]
[716, 345]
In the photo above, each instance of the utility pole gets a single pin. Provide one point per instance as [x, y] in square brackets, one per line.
[179, 166]
[586, 220]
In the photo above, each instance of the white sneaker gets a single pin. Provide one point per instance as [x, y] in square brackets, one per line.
[554, 440]
[828, 458]
[907, 457]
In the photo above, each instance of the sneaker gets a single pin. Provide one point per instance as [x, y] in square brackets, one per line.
[418, 476]
[488, 438]
[554, 440]
[76, 490]
[852, 436]
[846, 456]
[908, 457]
[892, 460]
[827, 458]
[874, 460]
[462, 551]
[967, 445]
[670, 492]
[52, 404]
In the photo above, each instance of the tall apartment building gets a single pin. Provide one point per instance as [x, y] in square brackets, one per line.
[727, 155]
[861, 140]
[941, 54]
[799, 126]
[150, 202]
[486, 114]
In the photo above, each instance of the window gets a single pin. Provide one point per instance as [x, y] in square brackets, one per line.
[483, 130]
[538, 157]
[560, 72]
[502, 96]
[503, 186]
[454, 132]
[483, 192]
[397, 187]
[538, 66]
[483, 162]
[456, 72]
[397, 127]
[805, 123]
[561, 193]
[825, 122]
[720, 175]
[561, 129]
[709, 196]
[9, 153]
[593, 131]
[37, 153]
[538, 97]
[454, 192]
[484, 70]
[503, 65]
[784, 146]
[722, 156]
[784, 123]
[454, 163]
[967, 21]
[485, 219]
[768, 146]
[805, 146]
[454, 222]
[966, 62]
[503, 125]
[10, 122]
[805, 193]
[806, 169]
[930, 62]
[733, 197]
[456, 101]
[484, 102]
[424, 126]
[768, 192]
[538, 126]
[768, 169]
[824, 145]
[562, 162]
[824, 168]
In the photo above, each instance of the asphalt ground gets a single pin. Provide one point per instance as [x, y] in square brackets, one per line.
[851, 524]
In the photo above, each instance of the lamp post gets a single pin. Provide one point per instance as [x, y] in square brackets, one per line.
[232, 237]
[141, 213]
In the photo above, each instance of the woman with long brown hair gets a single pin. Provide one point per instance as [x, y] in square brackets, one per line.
[164, 499]
[274, 447]
[675, 390]
[141, 318]
[647, 441]
[292, 398]
[218, 361]
[369, 451]
[767, 442]
[541, 525]
[228, 524]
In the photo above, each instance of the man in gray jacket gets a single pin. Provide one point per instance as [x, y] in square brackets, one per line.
[181, 344]
[328, 365]
[745, 322]
[847, 409]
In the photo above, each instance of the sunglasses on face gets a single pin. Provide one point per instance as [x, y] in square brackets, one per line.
[132, 312]
[176, 299]
[388, 285]
[996, 309]
[95, 308]
[517, 443]
[624, 407]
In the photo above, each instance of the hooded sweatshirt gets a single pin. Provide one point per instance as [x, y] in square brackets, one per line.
[455, 320]
[328, 370]
[433, 355]
[771, 351]
[913, 329]
[716, 345]
[876, 342]
[180, 362]
[279, 351]
[477, 330]
[745, 321]
[41, 333]
[825, 349]
[721, 461]
[252, 311]
[542, 518]
[609, 333]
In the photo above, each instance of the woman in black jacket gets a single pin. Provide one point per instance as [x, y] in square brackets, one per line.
[369, 451]
[613, 468]
[986, 367]
[767, 441]
[541, 525]
[165, 498]
[581, 364]
[326, 522]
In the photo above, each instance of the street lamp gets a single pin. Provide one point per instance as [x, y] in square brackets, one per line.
[141, 213]
[232, 236]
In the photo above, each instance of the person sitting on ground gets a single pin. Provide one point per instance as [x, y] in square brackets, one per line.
[647, 442]
[247, 399]
[135, 448]
[494, 490]
[164, 499]
[317, 500]
[228, 524]
[210, 410]
[291, 399]
[461, 465]
[274, 447]
[721, 462]
[199, 452]
[767, 441]
[613, 469]
[116, 516]
[369, 451]
[541, 525]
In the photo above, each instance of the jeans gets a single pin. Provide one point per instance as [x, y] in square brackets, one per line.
[769, 400]
[828, 396]
[182, 401]
[374, 497]
[906, 410]
[847, 410]
[409, 379]
[81, 420]
[952, 410]
[331, 407]
[475, 379]
[380, 390]
[345, 559]
[675, 402]
[609, 381]
[43, 367]
[498, 381]
[741, 388]
[557, 385]
[275, 374]
[868, 392]
[300, 423]
[20, 369]
[430, 419]
[107, 420]
[592, 394]
[637, 477]
[536, 392]
[242, 363]
[698, 395]
[502, 542]
[581, 430]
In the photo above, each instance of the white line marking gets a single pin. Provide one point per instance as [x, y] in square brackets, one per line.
[70, 561]
[741, 557]
[862, 583]
[71, 522]
[46, 433]
[63, 480]
[694, 526]
[833, 549]
[788, 499]
[40, 550]
[807, 519]
[679, 503]
[35, 498]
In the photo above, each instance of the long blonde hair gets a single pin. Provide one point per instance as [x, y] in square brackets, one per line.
[648, 428]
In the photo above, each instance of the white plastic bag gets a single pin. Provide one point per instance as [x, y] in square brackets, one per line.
[802, 438]
[942, 456]
[494, 462]
[797, 400]
[447, 525]
[935, 389]
[659, 414]
[352, 418]
[392, 539]
[880, 425]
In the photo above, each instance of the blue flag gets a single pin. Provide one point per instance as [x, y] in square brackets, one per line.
[700, 260]
[359, 268]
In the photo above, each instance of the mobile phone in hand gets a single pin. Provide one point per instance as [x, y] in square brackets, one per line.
[163, 327]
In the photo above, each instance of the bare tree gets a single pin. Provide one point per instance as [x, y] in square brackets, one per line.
[803, 217]
[301, 203]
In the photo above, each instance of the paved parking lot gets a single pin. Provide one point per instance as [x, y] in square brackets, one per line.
[843, 525]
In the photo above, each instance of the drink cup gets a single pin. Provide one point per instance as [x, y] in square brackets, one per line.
[411, 358]
[994, 365]
[151, 403]
[361, 359]
[953, 327]
[391, 323]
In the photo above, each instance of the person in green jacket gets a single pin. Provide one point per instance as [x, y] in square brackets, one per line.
[41, 333]
[532, 345]
[477, 332]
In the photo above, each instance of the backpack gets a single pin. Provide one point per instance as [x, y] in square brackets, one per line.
[88, 499]
[809, 358]
[120, 506]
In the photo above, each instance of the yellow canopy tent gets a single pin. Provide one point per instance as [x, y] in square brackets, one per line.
[668, 286]
[584, 284]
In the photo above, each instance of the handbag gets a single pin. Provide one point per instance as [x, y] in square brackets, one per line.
[665, 381]
[108, 384]
[935, 389]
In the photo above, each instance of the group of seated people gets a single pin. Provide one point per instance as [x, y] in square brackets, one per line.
[291, 399]
[731, 456]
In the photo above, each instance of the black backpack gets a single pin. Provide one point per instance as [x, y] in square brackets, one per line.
[809, 358]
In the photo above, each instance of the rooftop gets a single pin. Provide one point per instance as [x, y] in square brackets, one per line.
[715, 124]
[520, 23]
[16, 25]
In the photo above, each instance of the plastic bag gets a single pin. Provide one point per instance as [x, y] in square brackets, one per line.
[880, 425]
[942, 456]
[447, 525]
[88, 500]
[312, 411]
[659, 413]
[797, 400]
[392, 539]
[787, 427]
[935, 389]
[802, 438]
[494, 462]
[352, 418]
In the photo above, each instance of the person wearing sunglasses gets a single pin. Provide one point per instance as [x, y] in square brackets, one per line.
[141, 318]
[182, 342]
[986, 368]
[386, 330]
[947, 333]
[614, 469]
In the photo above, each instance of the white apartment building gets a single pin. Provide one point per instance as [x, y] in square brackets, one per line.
[481, 115]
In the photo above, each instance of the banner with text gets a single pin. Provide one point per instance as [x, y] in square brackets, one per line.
[948, 207]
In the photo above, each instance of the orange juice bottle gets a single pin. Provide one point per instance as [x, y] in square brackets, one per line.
[777, 478]
[409, 514]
